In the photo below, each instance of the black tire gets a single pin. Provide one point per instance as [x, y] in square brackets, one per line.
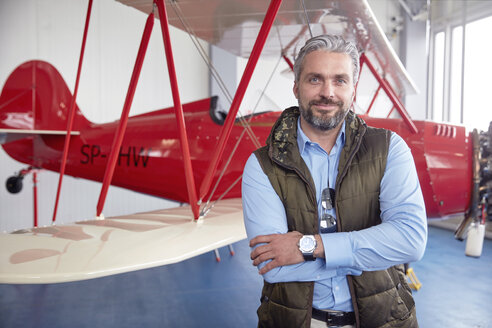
[14, 184]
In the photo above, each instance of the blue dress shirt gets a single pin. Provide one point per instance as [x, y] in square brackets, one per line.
[400, 238]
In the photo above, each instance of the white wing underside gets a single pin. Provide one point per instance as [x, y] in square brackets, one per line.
[233, 25]
[97, 248]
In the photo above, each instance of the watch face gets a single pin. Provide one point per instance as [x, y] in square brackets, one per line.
[307, 244]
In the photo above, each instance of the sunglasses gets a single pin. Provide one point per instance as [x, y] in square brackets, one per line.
[328, 222]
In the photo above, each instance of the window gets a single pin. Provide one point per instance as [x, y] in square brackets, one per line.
[460, 90]
[438, 87]
[477, 110]
[456, 75]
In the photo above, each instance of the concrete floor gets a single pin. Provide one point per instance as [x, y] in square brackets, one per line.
[202, 293]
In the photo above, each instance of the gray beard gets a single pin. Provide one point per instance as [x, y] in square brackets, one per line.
[321, 123]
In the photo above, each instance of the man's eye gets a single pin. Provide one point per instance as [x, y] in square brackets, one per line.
[314, 80]
[341, 81]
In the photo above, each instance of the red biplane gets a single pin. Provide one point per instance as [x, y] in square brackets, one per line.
[195, 154]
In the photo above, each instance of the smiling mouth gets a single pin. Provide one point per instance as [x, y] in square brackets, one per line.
[326, 104]
[323, 107]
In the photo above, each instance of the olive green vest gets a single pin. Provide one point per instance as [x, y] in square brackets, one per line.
[380, 298]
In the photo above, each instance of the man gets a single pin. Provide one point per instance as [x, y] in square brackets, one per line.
[332, 207]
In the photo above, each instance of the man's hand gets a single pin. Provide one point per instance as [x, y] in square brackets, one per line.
[282, 249]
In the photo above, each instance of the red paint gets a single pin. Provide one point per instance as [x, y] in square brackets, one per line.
[33, 254]
[150, 160]
[443, 163]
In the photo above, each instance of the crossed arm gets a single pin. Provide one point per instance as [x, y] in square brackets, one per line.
[401, 238]
[280, 250]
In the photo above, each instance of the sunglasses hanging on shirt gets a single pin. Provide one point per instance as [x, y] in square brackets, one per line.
[328, 222]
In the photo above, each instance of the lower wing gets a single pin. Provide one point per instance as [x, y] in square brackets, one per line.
[97, 248]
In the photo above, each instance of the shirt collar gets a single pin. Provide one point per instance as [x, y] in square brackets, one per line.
[302, 139]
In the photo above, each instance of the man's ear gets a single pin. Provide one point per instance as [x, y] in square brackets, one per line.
[295, 89]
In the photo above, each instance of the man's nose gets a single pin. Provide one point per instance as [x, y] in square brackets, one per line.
[327, 90]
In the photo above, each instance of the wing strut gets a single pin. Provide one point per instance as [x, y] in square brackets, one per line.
[71, 113]
[178, 109]
[248, 72]
[389, 92]
[120, 131]
[373, 100]
[288, 61]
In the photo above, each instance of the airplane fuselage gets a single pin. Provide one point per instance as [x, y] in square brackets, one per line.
[150, 157]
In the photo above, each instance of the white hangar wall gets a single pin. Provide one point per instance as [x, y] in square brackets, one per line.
[52, 30]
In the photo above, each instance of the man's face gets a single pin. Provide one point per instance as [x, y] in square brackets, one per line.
[325, 89]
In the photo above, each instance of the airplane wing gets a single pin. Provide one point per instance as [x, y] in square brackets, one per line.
[233, 25]
[9, 135]
[97, 248]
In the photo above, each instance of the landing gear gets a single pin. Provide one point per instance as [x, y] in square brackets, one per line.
[14, 184]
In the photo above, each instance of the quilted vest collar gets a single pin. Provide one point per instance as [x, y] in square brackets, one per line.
[282, 141]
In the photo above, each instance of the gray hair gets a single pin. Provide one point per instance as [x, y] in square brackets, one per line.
[331, 43]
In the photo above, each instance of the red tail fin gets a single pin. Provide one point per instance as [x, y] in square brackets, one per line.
[35, 97]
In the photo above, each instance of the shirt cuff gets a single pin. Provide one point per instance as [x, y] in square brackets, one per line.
[338, 250]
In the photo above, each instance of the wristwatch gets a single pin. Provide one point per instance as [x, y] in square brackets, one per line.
[307, 245]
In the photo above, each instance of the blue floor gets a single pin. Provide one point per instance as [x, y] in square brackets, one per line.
[202, 293]
[456, 290]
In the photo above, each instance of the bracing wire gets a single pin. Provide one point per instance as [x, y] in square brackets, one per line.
[307, 18]
[206, 209]
[214, 72]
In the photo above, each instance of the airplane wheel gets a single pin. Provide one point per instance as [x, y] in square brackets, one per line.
[14, 184]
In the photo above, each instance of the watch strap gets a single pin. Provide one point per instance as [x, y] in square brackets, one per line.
[308, 256]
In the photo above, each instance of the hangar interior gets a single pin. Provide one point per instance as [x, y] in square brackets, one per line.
[442, 45]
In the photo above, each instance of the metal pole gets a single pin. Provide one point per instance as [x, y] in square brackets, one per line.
[390, 112]
[35, 197]
[288, 61]
[178, 110]
[373, 99]
[120, 131]
[72, 111]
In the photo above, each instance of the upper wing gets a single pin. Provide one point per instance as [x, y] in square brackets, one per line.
[91, 249]
[234, 25]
